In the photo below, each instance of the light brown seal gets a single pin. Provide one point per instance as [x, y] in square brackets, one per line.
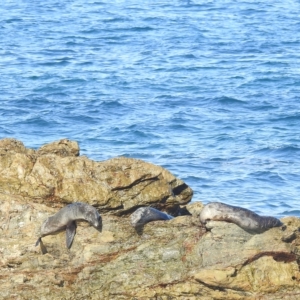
[245, 218]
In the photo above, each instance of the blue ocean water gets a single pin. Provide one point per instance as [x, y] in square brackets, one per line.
[207, 89]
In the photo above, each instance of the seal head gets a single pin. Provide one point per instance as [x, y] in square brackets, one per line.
[90, 214]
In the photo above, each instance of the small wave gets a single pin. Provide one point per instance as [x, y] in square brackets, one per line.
[133, 28]
[54, 52]
[116, 20]
[288, 118]
[37, 121]
[132, 133]
[163, 96]
[96, 3]
[295, 213]
[48, 89]
[83, 119]
[271, 77]
[74, 81]
[187, 56]
[286, 150]
[178, 127]
[218, 159]
[252, 11]
[31, 102]
[58, 62]
[34, 77]
[112, 104]
[13, 20]
[5, 131]
[275, 63]
[84, 63]
[226, 137]
[263, 107]
[268, 176]
[142, 28]
[90, 31]
[230, 100]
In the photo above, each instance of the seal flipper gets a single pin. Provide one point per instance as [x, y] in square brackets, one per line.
[38, 241]
[70, 233]
[42, 246]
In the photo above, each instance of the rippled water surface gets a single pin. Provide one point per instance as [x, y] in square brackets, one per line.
[207, 89]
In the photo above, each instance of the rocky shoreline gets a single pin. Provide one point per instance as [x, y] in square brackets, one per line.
[175, 259]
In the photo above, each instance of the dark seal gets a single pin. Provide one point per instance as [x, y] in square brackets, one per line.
[245, 218]
[144, 215]
[65, 219]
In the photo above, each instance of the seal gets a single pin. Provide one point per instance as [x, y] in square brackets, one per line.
[144, 215]
[65, 219]
[246, 219]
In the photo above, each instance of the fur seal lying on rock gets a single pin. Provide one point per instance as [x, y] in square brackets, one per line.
[246, 219]
[144, 215]
[65, 219]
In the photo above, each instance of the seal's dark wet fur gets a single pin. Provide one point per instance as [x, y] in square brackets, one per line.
[65, 219]
[144, 215]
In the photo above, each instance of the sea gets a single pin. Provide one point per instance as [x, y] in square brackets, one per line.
[209, 90]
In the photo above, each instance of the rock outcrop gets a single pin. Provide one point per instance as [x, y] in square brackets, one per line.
[176, 259]
[55, 175]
